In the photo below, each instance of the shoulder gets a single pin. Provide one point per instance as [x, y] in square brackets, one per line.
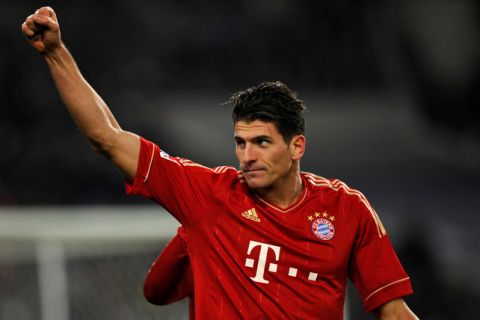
[337, 193]
[217, 175]
[333, 187]
[227, 175]
[226, 170]
[159, 162]
[160, 156]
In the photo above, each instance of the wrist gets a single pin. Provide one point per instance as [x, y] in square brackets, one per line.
[56, 54]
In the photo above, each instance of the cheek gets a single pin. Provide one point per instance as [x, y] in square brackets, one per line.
[281, 161]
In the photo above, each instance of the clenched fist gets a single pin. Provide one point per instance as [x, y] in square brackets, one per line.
[42, 30]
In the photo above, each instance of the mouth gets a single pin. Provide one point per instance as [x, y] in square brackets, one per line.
[252, 172]
[252, 169]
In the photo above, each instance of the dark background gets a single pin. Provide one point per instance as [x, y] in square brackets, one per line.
[391, 87]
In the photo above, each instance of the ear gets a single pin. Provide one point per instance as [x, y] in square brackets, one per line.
[297, 146]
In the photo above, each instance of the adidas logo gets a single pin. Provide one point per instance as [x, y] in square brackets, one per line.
[251, 214]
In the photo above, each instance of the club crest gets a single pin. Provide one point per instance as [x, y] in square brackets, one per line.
[322, 225]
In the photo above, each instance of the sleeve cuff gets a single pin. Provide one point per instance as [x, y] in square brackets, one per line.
[145, 158]
[394, 290]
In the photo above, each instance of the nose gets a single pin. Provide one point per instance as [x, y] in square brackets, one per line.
[249, 154]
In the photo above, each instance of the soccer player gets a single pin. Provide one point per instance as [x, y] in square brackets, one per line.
[266, 241]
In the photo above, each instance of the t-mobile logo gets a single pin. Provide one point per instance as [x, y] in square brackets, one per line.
[272, 267]
[262, 259]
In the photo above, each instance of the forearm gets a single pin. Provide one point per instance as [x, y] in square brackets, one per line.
[86, 107]
[395, 310]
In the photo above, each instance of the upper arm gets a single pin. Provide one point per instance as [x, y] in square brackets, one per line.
[375, 268]
[395, 309]
[123, 149]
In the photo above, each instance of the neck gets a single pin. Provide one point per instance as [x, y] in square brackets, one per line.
[284, 193]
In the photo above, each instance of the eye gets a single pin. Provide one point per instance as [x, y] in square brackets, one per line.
[262, 142]
[240, 143]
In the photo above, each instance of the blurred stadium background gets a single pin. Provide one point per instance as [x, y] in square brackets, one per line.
[392, 90]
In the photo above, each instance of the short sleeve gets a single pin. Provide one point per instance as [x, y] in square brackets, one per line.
[179, 185]
[375, 269]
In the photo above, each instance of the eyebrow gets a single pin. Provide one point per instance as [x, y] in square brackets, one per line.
[261, 137]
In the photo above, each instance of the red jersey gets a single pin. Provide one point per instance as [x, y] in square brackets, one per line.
[253, 260]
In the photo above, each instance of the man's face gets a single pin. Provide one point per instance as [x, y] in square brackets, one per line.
[265, 158]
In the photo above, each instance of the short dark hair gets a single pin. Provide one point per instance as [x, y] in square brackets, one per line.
[271, 102]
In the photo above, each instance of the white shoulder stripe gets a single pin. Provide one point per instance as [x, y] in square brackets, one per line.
[315, 177]
[223, 169]
[322, 184]
[220, 169]
[318, 182]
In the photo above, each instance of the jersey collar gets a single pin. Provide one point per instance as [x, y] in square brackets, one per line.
[293, 206]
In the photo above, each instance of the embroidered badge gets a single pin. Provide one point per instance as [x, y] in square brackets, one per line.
[322, 225]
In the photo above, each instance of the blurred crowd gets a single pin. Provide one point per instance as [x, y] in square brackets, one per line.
[135, 52]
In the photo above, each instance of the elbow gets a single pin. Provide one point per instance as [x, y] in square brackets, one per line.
[149, 295]
[153, 297]
[102, 141]
[97, 147]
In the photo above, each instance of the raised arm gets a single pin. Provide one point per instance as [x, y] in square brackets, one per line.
[86, 107]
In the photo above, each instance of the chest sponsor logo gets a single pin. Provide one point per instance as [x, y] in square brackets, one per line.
[266, 260]
[322, 225]
[251, 214]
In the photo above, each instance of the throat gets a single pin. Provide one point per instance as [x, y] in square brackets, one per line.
[283, 197]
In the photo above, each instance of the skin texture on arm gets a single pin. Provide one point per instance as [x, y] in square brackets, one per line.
[396, 309]
[88, 110]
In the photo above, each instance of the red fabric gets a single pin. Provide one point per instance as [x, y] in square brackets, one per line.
[251, 260]
[170, 277]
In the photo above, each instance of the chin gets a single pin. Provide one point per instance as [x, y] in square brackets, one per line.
[255, 184]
